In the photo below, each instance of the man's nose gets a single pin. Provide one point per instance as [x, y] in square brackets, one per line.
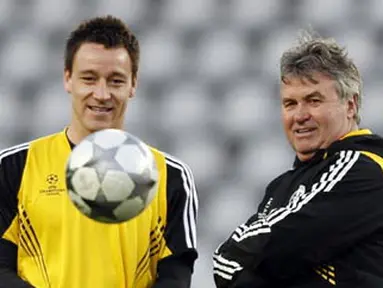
[301, 114]
[101, 91]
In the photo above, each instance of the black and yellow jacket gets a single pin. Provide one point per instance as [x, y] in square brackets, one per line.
[319, 225]
[46, 242]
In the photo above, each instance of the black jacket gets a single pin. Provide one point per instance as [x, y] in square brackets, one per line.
[319, 224]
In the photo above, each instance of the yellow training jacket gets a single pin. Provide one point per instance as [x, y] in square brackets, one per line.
[60, 247]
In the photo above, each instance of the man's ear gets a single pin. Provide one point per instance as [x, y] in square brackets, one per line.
[67, 79]
[134, 87]
[133, 92]
[353, 107]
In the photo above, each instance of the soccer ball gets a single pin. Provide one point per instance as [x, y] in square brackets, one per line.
[111, 176]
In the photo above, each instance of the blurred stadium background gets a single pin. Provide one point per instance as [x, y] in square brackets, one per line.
[208, 88]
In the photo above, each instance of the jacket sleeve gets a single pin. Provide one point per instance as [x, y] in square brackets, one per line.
[342, 207]
[175, 270]
[11, 167]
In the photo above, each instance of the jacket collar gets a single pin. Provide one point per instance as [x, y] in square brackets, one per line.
[322, 153]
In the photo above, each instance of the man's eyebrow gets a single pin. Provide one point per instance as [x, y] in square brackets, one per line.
[113, 74]
[89, 71]
[314, 94]
[118, 74]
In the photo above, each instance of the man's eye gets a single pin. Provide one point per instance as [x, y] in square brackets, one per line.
[118, 81]
[88, 79]
[288, 104]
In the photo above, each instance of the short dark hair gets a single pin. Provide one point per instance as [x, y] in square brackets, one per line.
[109, 31]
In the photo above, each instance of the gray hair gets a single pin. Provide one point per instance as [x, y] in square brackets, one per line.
[323, 55]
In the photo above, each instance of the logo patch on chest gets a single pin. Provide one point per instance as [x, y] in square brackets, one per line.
[52, 185]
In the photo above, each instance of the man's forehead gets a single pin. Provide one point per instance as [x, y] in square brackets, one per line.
[95, 57]
[301, 86]
[307, 79]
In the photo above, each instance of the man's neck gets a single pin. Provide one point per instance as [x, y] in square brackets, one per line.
[76, 135]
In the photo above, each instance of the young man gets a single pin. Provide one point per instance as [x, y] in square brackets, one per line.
[320, 224]
[45, 241]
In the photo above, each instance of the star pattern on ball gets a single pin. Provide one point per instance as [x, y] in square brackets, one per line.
[122, 176]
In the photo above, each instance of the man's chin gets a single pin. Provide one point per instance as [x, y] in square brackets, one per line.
[303, 147]
[306, 153]
[94, 127]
